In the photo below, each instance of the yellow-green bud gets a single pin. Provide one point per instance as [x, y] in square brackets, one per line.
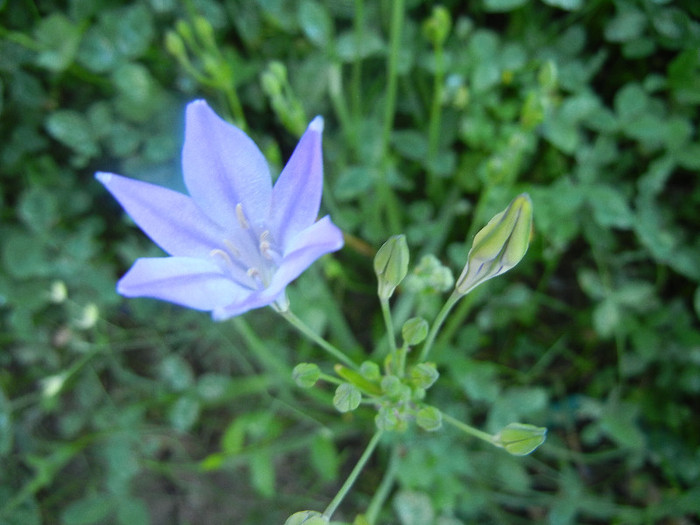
[414, 331]
[438, 26]
[306, 517]
[520, 439]
[429, 418]
[205, 32]
[499, 245]
[305, 375]
[175, 45]
[391, 265]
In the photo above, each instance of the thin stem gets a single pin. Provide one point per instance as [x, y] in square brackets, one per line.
[388, 322]
[356, 83]
[333, 505]
[402, 360]
[384, 488]
[320, 341]
[442, 314]
[434, 186]
[485, 436]
[386, 196]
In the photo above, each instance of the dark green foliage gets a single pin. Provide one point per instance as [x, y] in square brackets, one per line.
[136, 412]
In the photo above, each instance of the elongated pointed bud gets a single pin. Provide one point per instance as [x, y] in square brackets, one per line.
[499, 245]
[391, 265]
[520, 439]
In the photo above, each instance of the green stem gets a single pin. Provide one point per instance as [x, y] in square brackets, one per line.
[333, 505]
[442, 314]
[356, 83]
[388, 322]
[434, 186]
[485, 436]
[384, 488]
[320, 341]
[397, 15]
[402, 360]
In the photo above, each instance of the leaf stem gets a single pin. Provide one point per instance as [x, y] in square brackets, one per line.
[320, 341]
[485, 436]
[388, 322]
[380, 496]
[442, 314]
[335, 502]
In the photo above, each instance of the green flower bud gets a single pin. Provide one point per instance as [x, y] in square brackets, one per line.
[499, 245]
[388, 418]
[391, 385]
[205, 32]
[391, 265]
[547, 77]
[414, 331]
[175, 45]
[347, 398]
[370, 371]
[306, 517]
[520, 439]
[438, 26]
[429, 418]
[423, 375]
[305, 375]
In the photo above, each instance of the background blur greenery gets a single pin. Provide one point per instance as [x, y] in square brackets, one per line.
[136, 412]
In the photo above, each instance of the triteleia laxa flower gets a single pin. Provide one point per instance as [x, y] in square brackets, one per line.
[235, 242]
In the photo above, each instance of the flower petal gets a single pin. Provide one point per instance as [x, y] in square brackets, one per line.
[223, 167]
[318, 239]
[296, 196]
[193, 283]
[170, 219]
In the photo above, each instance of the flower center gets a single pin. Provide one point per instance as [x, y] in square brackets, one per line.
[252, 257]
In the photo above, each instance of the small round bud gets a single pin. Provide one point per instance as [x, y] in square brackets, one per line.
[438, 26]
[305, 375]
[370, 371]
[429, 418]
[175, 45]
[423, 375]
[391, 385]
[347, 398]
[414, 331]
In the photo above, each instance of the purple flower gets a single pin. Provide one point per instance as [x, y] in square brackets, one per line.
[235, 242]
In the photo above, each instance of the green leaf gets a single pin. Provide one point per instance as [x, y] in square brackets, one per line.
[503, 5]
[184, 413]
[262, 473]
[316, 22]
[568, 5]
[627, 24]
[59, 39]
[73, 129]
[6, 431]
[132, 511]
[38, 208]
[610, 208]
[413, 508]
[324, 456]
[88, 510]
[606, 318]
[348, 47]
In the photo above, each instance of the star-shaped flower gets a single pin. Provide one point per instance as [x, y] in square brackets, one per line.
[235, 242]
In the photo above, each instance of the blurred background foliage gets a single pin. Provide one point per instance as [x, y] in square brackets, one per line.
[136, 412]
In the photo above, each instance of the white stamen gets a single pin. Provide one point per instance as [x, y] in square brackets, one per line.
[232, 249]
[265, 245]
[221, 253]
[241, 216]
